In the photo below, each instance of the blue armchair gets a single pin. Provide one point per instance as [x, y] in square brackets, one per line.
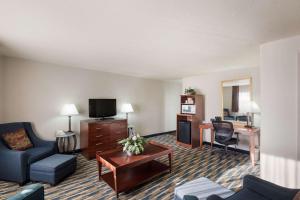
[15, 165]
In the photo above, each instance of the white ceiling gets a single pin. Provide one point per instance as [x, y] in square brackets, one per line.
[164, 39]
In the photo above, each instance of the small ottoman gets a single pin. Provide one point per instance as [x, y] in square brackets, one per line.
[201, 188]
[53, 169]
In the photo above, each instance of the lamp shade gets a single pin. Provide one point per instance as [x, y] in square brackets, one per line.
[127, 108]
[251, 107]
[69, 109]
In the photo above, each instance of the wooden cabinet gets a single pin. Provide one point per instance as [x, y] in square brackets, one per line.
[101, 135]
[189, 119]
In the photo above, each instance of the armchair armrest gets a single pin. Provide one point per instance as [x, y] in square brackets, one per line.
[13, 165]
[268, 189]
[214, 197]
[189, 197]
[44, 143]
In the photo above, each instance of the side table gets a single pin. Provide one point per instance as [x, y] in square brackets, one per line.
[64, 142]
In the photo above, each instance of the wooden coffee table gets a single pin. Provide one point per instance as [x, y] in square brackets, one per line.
[128, 172]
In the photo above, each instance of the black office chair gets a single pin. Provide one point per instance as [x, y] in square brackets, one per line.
[224, 133]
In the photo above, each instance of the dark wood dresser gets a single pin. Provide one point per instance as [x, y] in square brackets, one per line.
[101, 135]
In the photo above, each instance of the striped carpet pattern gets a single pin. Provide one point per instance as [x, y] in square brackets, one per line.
[187, 165]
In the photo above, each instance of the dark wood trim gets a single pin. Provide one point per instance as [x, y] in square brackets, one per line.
[158, 134]
[229, 148]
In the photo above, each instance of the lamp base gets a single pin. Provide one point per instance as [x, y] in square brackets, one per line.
[69, 131]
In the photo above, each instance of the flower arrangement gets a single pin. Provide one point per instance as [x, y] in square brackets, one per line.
[133, 144]
[189, 91]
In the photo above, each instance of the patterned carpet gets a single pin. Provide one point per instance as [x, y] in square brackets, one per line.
[187, 165]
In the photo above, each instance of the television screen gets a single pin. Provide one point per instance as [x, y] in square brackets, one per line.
[99, 108]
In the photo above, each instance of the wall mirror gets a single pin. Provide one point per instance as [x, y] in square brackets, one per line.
[236, 97]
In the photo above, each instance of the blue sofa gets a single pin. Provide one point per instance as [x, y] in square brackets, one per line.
[256, 189]
[15, 165]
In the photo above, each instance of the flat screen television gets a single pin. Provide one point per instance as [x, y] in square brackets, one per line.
[101, 108]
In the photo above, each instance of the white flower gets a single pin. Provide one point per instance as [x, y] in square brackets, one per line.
[134, 138]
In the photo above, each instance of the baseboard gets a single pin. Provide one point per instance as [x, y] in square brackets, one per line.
[157, 134]
[229, 148]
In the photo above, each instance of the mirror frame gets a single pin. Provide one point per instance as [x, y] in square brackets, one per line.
[222, 94]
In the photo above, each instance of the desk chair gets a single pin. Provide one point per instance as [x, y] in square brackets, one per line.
[224, 132]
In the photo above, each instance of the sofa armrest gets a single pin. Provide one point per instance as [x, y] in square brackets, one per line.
[214, 197]
[13, 165]
[268, 189]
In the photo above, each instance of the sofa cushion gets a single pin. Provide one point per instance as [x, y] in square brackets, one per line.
[17, 140]
[38, 153]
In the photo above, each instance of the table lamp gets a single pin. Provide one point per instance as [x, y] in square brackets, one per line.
[252, 108]
[127, 108]
[69, 110]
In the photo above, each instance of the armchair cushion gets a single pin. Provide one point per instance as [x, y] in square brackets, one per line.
[38, 153]
[17, 140]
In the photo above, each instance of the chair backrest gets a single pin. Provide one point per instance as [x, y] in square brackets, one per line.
[12, 127]
[223, 130]
[242, 118]
[226, 112]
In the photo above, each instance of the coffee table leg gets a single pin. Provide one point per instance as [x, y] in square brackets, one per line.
[99, 169]
[170, 155]
[116, 182]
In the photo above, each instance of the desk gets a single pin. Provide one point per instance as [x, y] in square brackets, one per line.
[250, 132]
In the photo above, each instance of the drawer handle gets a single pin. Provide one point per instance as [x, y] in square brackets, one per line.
[99, 144]
[98, 128]
[97, 136]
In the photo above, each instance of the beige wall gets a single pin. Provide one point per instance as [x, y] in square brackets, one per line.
[1, 88]
[210, 86]
[36, 92]
[280, 112]
[172, 92]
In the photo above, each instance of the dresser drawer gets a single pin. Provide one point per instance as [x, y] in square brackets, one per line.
[118, 136]
[100, 141]
[118, 131]
[99, 127]
[118, 126]
[100, 137]
[103, 147]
